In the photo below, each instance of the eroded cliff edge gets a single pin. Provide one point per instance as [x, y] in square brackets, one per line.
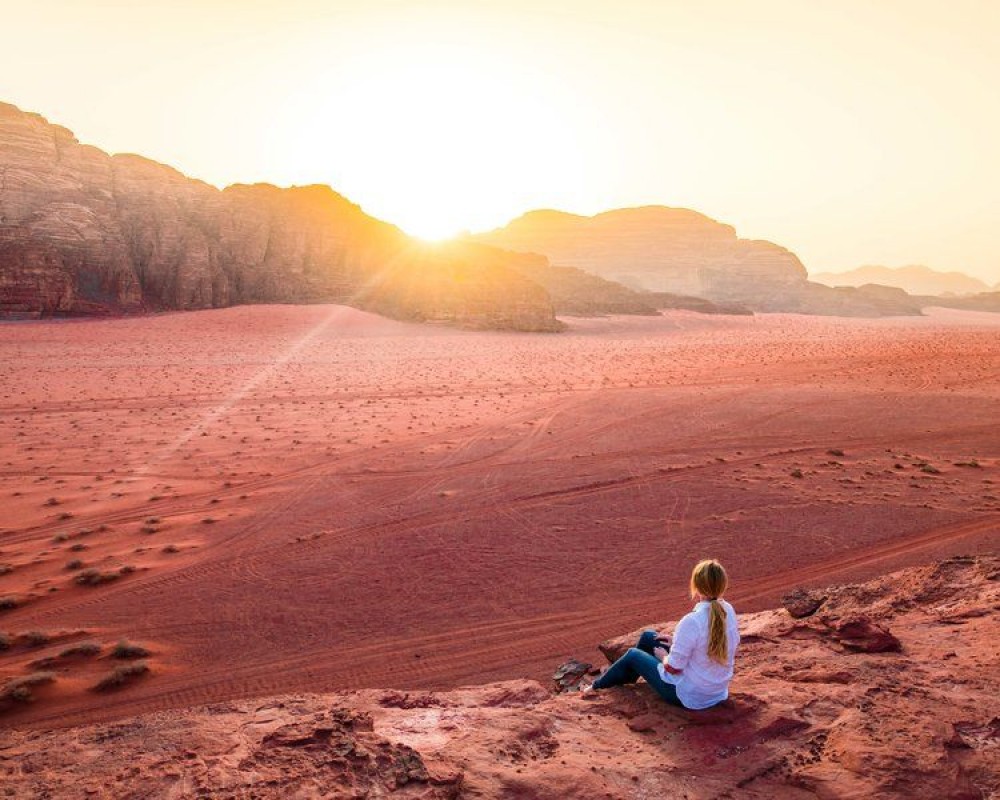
[882, 689]
[83, 232]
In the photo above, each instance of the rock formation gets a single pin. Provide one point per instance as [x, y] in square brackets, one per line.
[580, 293]
[884, 689]
[85, 232]
[984, 301]
[915, 279]
[654, 248]
[680, 251]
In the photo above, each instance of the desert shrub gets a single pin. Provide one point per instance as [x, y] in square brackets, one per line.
[19, 689]
[171, 548]
[930, 470]
[126, 649]
[8, 602]
[81, 649]
[128, 569]
[121, 675]
[208, 521]
[94, 577]
[6, 568]
[36, 638]
[60, 537]
[970, 463]
[74, 564]
[835, 451]
[78, 547]
[796, 473]
[52, 501]
[6, 641]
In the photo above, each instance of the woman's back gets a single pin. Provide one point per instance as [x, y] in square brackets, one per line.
[703, 681]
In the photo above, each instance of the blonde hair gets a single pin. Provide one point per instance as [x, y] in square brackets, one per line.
[709, 579]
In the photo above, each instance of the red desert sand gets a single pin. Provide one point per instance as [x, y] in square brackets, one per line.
[274, 499]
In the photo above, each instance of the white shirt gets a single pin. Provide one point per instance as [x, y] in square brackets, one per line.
[704, 681]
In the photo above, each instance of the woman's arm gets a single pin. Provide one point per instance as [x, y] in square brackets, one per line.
[663, 654]
[685, 635]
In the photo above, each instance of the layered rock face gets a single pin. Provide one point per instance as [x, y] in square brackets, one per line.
[85, 232]
[654, 248]
[885, 689]
[678, 251]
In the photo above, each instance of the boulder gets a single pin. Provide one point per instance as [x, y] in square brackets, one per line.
[860, 635]
[801, 603]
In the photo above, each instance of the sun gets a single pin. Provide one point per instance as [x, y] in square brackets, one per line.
[437, 140]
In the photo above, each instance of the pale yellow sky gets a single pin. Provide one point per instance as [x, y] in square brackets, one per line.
[852, 131]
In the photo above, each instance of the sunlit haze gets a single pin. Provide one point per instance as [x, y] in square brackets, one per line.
[851, 132]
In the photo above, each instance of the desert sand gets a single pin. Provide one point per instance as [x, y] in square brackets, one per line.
[279, 499]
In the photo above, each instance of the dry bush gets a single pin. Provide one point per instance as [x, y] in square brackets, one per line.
[20, 689]
[127, 649]
[94, 577]
[81, 649]
[120, 676]
[36, 638]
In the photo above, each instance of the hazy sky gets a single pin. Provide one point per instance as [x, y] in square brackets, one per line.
[851, 131]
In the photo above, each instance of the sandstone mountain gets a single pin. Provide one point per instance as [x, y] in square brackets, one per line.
[85, 232]
[915, 279]
[654, 248]
[885, 689]
[680, 251]
[580, 293]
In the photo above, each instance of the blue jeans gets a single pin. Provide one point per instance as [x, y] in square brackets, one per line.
[640, 661]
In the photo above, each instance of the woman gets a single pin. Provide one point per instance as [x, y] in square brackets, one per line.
[694, 669]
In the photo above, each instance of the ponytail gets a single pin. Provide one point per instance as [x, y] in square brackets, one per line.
[718, 642]
[709, 580]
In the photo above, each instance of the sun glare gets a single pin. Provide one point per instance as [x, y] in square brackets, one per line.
[450, 140]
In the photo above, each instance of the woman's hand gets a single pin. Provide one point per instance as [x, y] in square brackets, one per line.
[661, 653]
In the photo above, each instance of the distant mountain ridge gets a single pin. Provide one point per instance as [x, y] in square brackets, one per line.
[84, 232]
[915, 279]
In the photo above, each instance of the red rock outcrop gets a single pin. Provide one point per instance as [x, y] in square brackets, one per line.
[812, 715]
[85, 232]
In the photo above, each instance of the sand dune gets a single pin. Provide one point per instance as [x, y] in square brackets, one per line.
[312, 498]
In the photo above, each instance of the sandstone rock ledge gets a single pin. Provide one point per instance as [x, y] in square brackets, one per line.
[814, 715]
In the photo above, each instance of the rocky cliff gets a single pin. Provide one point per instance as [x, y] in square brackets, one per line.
[885, 689]
[85, 232]
[653, 248]
[676, 250]
[576, 292]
